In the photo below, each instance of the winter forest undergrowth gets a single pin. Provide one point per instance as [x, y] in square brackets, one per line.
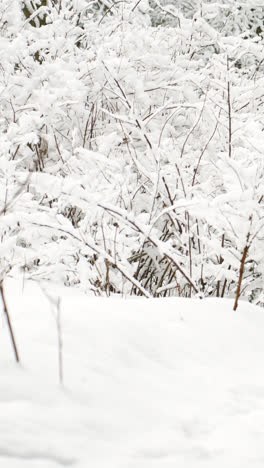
[131, 146]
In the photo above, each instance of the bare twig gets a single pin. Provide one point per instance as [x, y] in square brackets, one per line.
[229, 111]
[109, 9]
[204, 149]
[9, 321]
[242, 264]
[8, 205]
[194, 126]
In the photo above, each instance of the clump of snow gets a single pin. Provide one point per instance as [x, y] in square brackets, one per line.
[147, 382]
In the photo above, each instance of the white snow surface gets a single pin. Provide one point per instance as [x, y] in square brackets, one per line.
[148, 383]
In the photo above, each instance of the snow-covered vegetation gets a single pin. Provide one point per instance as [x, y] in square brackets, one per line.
[131, 164]
[131, 146]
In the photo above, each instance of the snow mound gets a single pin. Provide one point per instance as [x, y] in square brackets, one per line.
[148, 383]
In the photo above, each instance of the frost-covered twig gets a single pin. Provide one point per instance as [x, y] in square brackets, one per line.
[9, 204]
[168, 12]
[195, 125]
[91, 245]
[229, 110]
[153, 240]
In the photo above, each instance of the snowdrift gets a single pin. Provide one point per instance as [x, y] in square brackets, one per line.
[147, 383]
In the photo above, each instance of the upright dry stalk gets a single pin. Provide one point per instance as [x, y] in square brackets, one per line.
[229, 111]
[220, 262]
[8, 321]
[187, 215]
[242, 266]
[241, 273]
[225, 283]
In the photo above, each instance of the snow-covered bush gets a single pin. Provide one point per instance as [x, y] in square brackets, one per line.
[131, 154]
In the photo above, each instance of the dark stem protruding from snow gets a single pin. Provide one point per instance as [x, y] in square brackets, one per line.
[9, 322]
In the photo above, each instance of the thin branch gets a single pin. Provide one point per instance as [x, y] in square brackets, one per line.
[9, 321]
[194, 126]
[242, 264]
[104, 254]
[229, 111]
[109, 9]
[156, 242]
[16, 195]
[204, 149]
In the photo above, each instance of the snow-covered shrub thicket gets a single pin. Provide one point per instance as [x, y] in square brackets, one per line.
[131, 155]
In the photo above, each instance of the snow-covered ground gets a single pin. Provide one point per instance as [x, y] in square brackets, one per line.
[165, 383]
